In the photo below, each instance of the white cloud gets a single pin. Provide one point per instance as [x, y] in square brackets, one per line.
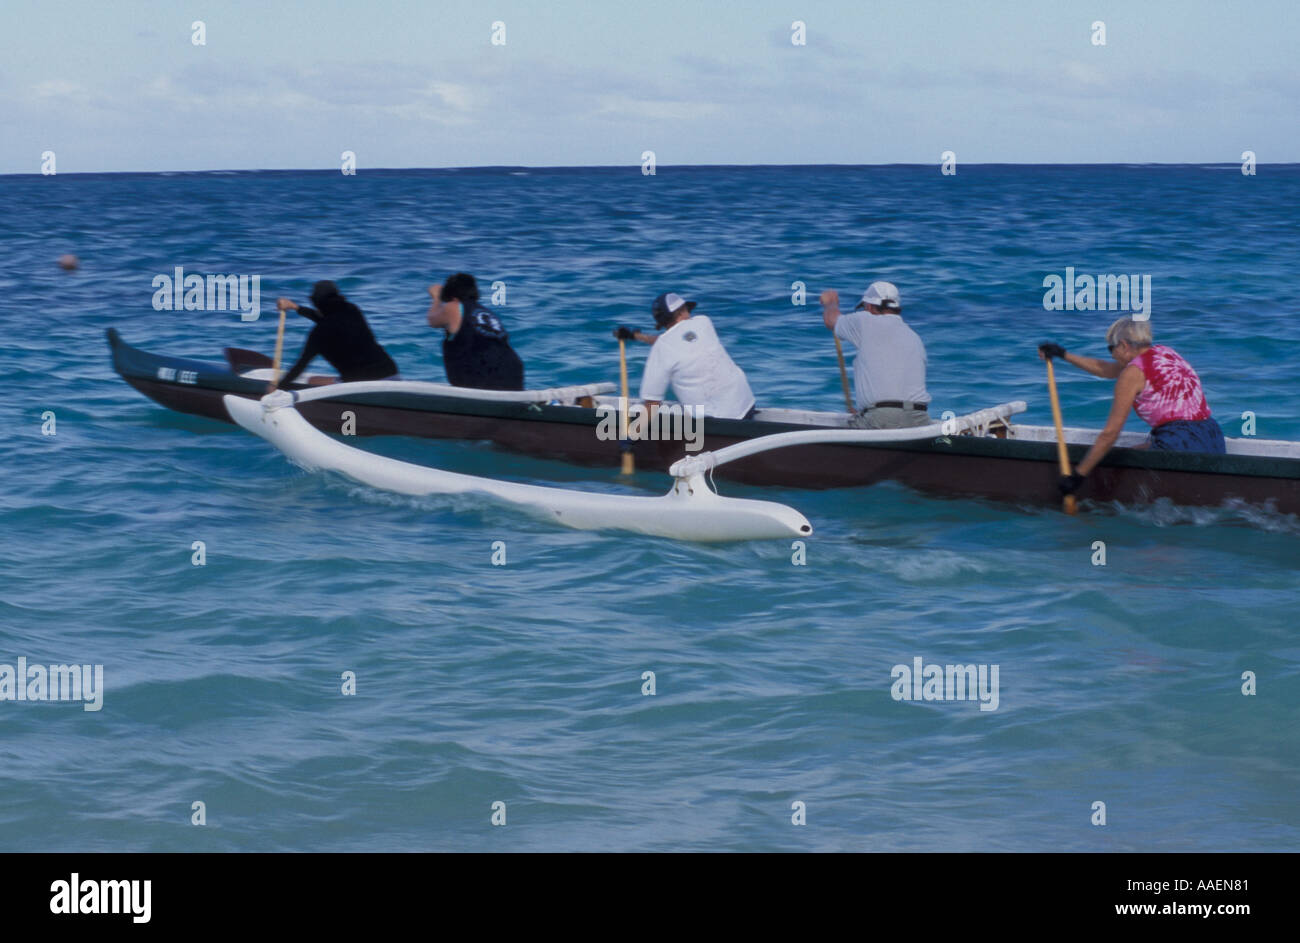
[58, 88]
[656, 110]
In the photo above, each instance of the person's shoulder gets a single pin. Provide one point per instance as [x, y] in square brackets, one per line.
[672, 344]
[1135, 367]
[664, 341]
[701, 326]
[676, 332]
[486, 321]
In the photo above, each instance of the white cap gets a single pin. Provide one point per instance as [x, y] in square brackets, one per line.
[882, 294]
[667, 305]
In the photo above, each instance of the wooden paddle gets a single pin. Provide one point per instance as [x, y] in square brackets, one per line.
[1068, 503]
[629, 461]
[844, 376]
[279, 349]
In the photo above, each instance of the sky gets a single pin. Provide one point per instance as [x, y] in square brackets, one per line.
[122, 87]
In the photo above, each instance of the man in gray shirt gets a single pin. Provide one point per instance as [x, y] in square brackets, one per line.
[889, 370]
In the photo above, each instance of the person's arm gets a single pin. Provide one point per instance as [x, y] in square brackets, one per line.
[311, 314]
[1127, 388]
[830, 300]
[443, 314]
[1108, 369]
[625, 333]
[309, 352]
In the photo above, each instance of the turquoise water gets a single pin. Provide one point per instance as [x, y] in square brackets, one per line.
[522, 683]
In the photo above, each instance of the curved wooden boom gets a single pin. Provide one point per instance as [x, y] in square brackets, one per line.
[698, 464]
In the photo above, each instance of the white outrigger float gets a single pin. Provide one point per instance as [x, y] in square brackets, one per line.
[691, 510]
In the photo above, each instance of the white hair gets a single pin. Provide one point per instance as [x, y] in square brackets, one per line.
[1126, 330]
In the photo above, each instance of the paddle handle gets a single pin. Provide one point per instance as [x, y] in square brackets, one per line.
[844, 376]
[1068, 504]
[279, 349]
[629, 462]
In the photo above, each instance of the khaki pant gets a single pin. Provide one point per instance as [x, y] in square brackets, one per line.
[890, 417]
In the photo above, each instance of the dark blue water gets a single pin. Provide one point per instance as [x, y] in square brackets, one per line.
[522, 683]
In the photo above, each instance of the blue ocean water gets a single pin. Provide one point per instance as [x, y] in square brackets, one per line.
[522, 683]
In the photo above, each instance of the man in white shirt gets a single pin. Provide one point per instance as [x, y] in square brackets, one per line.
[689, 357]
[889, 370]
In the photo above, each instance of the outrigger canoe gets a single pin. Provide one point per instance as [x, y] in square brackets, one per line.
[1004, 460]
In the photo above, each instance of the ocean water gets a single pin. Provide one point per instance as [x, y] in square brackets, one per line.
[522, 684]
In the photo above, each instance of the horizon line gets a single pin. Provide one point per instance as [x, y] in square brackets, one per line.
[637, 166]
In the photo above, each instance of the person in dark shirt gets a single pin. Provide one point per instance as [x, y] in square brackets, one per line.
[341, 336]
[475, 348]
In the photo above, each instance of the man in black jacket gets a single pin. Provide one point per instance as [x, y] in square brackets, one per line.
[341, 336]
[475, 348]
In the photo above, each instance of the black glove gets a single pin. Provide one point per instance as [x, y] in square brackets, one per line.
[1069, 484]
[624, 333]
[1050, 350]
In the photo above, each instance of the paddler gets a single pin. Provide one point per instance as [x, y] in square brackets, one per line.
[1158, 384]
[341, 336]
[688, 356]
[889, 370]
[476, 349]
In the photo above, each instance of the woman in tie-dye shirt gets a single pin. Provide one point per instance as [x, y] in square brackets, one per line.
[1158, 384]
